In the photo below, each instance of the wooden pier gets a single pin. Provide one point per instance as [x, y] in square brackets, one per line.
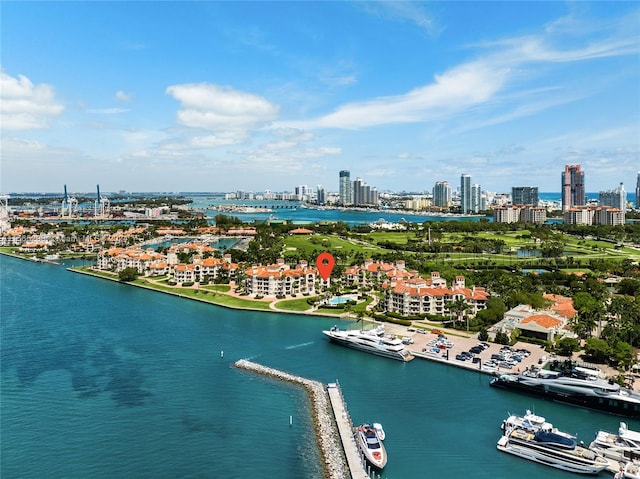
[355, 461]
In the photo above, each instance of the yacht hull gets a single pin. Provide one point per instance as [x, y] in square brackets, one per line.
[617, 405]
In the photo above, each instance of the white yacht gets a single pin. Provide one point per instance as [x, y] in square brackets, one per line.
[530, 422]
[551, 448]
[621, 447]
[571, 386]
[371, 446]
[371, 341]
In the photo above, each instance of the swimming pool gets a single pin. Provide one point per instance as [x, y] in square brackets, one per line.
[343, 299]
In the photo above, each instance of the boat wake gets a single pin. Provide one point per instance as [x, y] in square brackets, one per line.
[302, 345]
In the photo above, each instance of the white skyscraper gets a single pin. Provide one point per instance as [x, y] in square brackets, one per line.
[465, 194]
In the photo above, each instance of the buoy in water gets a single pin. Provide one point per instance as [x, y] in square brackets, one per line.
[222, 354]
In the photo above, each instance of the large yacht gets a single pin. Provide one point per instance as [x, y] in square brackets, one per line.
[551, 448]
[532, 423]
[371, 446]
[621, 447]
[371, 341]
[572, 386]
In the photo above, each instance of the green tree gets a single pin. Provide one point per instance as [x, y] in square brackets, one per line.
[128, 274]
[597, 350]
[566, 346]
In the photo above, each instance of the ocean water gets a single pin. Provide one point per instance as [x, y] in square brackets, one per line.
[105, 380]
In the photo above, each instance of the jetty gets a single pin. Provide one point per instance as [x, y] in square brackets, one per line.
[334, 429]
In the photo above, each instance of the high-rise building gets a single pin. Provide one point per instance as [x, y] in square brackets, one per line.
[346, 196]
[573, 190]
[476, 198]
[465, 194]
[321, 196]
[638, 191]
[442, 194]
[616, 198]
[524, 195]
[363, 194]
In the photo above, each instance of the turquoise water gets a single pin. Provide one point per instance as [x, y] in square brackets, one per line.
[340, 299]
[105, 380]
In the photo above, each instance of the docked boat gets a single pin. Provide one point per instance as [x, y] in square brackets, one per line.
[572, 386]
[552, 449]
[371, 341]
[533, 423]
[621, 447]
[371, 446]
[379, 430]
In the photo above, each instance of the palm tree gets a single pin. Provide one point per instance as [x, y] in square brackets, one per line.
[458, 307]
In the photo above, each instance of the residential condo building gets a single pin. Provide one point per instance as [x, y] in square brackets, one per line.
[524, 195]
[616, 198]
[573, 189]
[346, 197]
[465, 194]
[442, 194]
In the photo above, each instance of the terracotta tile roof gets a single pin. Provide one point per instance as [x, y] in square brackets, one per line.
[543, 320]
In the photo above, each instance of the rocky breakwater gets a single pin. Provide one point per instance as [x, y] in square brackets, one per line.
[329, 443]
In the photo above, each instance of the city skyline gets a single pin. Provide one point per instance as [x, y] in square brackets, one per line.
[221, 96]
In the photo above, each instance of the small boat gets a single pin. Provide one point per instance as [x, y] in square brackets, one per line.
[379, 431]
[371, 446]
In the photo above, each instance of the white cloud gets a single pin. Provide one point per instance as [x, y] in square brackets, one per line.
[107, 111]
[25, 106]
[214, 108]
[123, 97]
[455, 90]
[404, 10]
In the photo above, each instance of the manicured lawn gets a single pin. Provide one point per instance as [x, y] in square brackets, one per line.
[299, 304]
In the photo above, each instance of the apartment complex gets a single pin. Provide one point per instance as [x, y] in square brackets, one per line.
[594, 215]
[519, 213]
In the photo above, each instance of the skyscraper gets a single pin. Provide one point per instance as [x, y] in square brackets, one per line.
[524, 195]
[573, 191]
[465, 194]
[321, 197]
[638, 191]
[346, 197]
[615, 198]
[476, 198]
[442, 194]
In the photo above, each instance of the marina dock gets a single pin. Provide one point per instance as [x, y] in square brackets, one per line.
[345, 428]
[338, 447]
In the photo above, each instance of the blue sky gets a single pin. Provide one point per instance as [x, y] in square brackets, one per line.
[221, 96]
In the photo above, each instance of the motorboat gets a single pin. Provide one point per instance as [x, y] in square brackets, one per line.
[553, 449]
[630, 470]
[533, 423]
[621, 447]
[572, 386]
[371, 446]
[372, 341]
[379, 430]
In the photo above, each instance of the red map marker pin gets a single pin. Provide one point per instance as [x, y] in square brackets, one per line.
[325, 263]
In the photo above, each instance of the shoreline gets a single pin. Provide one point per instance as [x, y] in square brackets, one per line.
[330, 449]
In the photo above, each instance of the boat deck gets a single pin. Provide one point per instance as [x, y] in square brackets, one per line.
[345, 427]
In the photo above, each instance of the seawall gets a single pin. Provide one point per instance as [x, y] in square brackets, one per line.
[327, 434]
